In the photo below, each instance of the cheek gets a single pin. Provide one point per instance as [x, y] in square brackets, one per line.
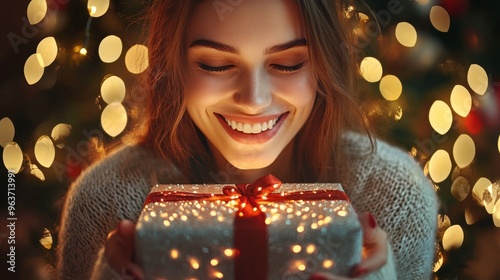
[298, 90]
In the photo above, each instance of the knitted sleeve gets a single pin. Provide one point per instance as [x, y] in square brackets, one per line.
[391, 185]
[112, 190]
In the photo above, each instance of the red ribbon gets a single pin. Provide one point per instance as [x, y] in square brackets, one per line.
[250, 230]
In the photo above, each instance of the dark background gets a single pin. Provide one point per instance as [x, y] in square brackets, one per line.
[69, 92]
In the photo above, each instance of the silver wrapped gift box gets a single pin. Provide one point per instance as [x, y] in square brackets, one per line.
[197, 232]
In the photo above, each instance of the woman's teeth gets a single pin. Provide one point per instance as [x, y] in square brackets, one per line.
[251, 128]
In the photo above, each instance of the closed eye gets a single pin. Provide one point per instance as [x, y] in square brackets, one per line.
[209, 68]
[283, 68]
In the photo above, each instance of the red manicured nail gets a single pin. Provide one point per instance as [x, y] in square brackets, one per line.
[317, 277]
[372, 221]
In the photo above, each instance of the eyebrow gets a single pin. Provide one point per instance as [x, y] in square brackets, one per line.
[230, 49]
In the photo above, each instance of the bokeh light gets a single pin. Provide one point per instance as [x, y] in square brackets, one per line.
[499, 143]
[7, 131]
[390, 87]
[371, 69]
[114, 119]
[47, 48]
[60, 133]
[33, 68]
[439, 166]
[464, 150]
[113, 89]
[460, 188]
[440, 18]
[453, 237]
[406, 34]
[45, 152]
[460, 100]
[480, 190]
[97, 8]
[37, 9]
[35, 171]
[12, 157]
[46, 240]
[110, 49]
[136, 59]
[496, 214]
[440, 117]
[477, 79]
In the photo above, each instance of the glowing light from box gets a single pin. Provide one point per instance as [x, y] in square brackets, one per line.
[460, 100]
[60, 133]
[296, 248]
[342, 213]
[371, 69]
[83, 51]
[327, 264]
[33, 69]
[194, 263]
[35, 171]
[174, 254]
[390, 87]
[439, 166]
[477, 79]
[36, 11]
[406, 34]
[136, 59]
[310, 248]
[97, 8]
[45, 152]
[110, 49]
[440, 18]
[214, 262]
[496, 214]
[440, 117]
[464, 150]
[114, 119]
[7, 131]
[453, 237]
[46, 240]
[460, 188]
[12, 157]
[47, 48]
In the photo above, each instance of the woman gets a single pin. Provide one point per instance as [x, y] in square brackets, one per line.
[237, 90]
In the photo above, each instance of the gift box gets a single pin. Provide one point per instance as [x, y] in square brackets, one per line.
[263, 230]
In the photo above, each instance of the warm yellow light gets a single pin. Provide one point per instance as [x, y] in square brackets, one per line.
[35, 171]
[300, 265]
[97, 8]
[499, 143]
[481, 191]
[12, 157]
[296, 248]
[310, 248]
[406, 34]
[439, 166]
[300, 229]
[460, 100]
[46, 240]
[496, 214]
[83, 51]
[33, 69]
[440, 117]
[37, 9]
[371, 69]
[110, 49]
[60, 133]
[214, 262]
[194, 263]
[460, 188]
[453, 237]
[438, 264]
[464, 150]
[477, 79]
[229, 252]
[7, 131]
[218, 275]
[136, 59]
[390, 87]
[47, 48]
[423, 2]
[114, 119]
[174, 254]
[440, 18]
[113, 90]
[45, 151]
[327, 264]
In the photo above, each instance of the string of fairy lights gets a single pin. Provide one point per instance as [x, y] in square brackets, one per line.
[442, 113]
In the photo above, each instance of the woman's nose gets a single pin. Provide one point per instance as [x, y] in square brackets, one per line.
[254, 94]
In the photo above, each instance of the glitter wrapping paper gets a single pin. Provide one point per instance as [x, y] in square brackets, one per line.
[196, 239]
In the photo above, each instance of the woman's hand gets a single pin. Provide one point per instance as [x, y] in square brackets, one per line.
[374, 254]
[120, 249]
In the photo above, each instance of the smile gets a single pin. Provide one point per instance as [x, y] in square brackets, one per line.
[248, 128]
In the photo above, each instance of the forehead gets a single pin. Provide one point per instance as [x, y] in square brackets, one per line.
[239, 22]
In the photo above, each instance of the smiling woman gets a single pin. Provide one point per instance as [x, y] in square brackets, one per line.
[266, 88]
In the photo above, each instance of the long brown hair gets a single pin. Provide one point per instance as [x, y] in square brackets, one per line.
[171, 132]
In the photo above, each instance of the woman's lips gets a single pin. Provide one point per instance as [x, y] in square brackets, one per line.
[252, 130]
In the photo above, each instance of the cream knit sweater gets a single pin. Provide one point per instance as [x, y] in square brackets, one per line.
[388, 183]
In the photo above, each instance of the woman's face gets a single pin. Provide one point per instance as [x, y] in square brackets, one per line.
[250, 86]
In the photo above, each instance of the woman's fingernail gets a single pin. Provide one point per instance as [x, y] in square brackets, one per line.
[372, 221]
[317, 277]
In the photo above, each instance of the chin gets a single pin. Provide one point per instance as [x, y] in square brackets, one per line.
[250, 164]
